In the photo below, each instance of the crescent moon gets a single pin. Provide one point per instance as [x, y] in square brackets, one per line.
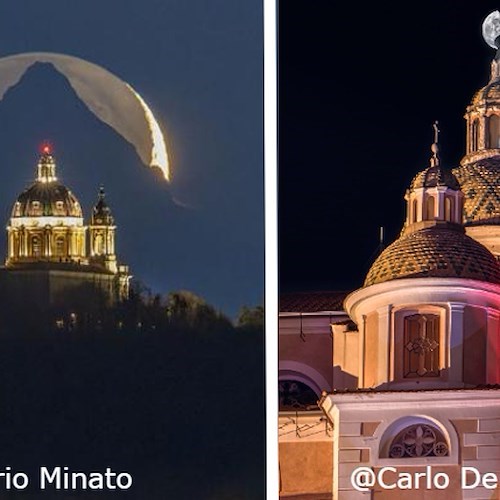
[109, 98]
[491, 28]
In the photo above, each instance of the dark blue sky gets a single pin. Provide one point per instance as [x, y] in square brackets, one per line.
[198, 65]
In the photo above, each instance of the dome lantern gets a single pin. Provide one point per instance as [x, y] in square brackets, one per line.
[434, 196]
[46, 171]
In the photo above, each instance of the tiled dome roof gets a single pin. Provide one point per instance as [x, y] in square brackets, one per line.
[480, 183]
[435, 253]
[47, 199]
[490, 92]
[434, 176]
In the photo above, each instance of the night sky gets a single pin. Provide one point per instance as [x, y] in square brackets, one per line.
[360, 85]
[198, 65]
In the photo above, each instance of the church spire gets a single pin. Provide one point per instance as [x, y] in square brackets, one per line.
[46, 170]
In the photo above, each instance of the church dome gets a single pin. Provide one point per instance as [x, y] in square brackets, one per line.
[480, 183]
[434, 253]
[490, 93]
[47, 197]
[434, 176]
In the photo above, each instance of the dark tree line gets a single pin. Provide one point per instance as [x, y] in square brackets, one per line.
[166, 388]
[86, 310]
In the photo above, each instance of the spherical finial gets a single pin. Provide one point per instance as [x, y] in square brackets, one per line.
[491, 29]
[435, 147]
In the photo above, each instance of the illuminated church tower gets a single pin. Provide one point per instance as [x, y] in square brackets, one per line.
[48, 255]
[102, 235]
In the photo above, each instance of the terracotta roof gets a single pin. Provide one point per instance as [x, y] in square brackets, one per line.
[435, 253]
[480, 183]
[312, 301]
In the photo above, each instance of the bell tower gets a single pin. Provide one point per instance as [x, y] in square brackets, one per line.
[102, 235]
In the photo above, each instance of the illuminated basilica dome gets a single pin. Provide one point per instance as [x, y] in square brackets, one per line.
[47, 196]
[47, 231]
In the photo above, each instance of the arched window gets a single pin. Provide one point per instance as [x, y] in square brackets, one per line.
[36, 246]
[494, 131]
[419, 440]
[59, 250]
[414, 210]
[448, 208]
[295, 395]
[475, 135]
[36, 208]
[60, 207]
[99, 244]
[429, 208]
[421, 346]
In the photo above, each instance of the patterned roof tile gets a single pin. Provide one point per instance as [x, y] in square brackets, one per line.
[312, 301]
[480, 183]
[435, 253]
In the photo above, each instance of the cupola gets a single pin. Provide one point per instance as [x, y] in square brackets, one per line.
[434, 196]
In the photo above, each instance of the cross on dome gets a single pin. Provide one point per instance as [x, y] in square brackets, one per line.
[435, 147]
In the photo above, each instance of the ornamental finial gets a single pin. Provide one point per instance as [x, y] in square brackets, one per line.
[435, 147]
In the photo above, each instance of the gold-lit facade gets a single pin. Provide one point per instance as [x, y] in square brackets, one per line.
[47, 233]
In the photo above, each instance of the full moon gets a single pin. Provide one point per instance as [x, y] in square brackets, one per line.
[491, 28]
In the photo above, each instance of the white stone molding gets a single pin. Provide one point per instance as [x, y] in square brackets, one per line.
[384, 343]
[411, 291]
[456, 342]
[493, 347]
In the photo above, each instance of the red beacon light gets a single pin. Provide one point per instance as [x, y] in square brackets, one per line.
[46, 149]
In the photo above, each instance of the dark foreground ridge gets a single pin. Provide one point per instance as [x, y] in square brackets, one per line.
[180, 408]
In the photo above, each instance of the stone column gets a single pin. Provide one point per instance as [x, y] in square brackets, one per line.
[384, 343]
[493, 347]
[10, 237]
[362, 347]
[456, 342]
